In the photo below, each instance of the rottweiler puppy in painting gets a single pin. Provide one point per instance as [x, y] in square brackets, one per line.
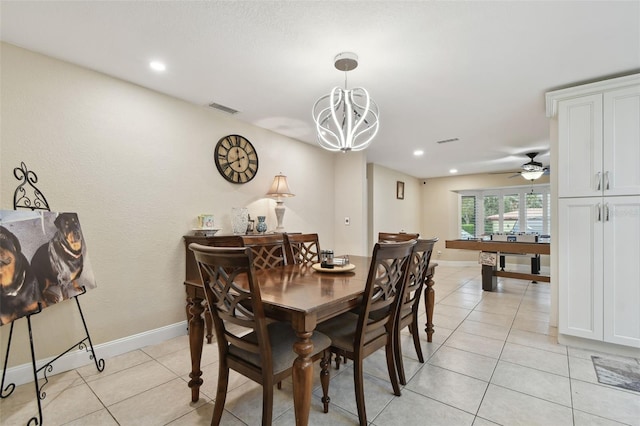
[19, 291]
[58, 263]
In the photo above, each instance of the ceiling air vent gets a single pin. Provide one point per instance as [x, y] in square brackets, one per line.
[448, 140]
[223, 108]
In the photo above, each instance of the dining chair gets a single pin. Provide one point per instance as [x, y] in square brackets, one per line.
[264, 354]
[302, 248]
[268, 250]
[388, 237]
[410, 301]
[358, 335]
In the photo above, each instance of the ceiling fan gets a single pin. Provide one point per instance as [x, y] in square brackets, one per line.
[531, 170]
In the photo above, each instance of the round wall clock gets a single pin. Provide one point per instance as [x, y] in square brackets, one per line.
[236, 159]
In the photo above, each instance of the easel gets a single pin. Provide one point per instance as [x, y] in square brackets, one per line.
[21, 199]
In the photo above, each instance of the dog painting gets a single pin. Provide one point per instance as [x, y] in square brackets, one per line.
[59, 264]
[19, 289]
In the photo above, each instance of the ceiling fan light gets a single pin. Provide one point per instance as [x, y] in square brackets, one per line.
[532, 175]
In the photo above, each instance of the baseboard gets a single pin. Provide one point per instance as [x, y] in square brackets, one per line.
[22, 374]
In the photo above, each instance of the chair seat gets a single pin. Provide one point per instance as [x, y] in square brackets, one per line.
[282, 337]
[342, 330]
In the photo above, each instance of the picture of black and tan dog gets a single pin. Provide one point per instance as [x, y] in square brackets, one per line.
[58, 263]
[19, 290]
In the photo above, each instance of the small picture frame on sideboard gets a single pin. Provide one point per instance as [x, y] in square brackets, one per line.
[400, 190]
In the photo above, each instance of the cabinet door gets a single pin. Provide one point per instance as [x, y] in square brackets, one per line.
[621, 144]
[580, 276]
[580, 146]
[622, 270]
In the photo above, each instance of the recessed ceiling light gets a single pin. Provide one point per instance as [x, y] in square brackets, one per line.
[157, 66]
[418, 152]
[453, 171]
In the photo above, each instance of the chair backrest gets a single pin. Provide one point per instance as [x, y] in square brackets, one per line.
[385, 284]
[302, 248]
[233, 297]
[390, 237]
[420, 259]
[268, 250]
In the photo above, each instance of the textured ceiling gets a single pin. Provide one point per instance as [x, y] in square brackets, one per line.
[476, 71]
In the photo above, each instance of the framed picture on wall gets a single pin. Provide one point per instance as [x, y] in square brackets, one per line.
[400, 190]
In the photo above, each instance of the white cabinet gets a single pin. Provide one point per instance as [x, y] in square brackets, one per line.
[599, 272]
[600, 149]
[597, 177]
[621, 243]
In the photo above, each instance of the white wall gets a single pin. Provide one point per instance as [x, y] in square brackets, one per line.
[137, 166]
[388, 213]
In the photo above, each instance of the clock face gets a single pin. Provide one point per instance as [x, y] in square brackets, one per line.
[236, 159]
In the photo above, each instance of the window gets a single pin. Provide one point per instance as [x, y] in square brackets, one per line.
[519, 209]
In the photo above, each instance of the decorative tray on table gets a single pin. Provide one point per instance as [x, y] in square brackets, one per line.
[324, 267]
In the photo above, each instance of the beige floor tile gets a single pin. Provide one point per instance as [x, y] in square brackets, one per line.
[534, 326]
[156, 406]
[461, 300]
[132, 381]
[491, 318]
[210, 380]
[550, 362]
[114, 365]
[317, 417]
[479, 421]
[536, 340]
[582, 369]
[581, 418]
[413, 409]
[543, 385]
[98, 418]
[498, 332]
[464, 362]
[245, 402]
[508, 407]
[476, 344]
[201, 416]
[452, 311]
[440, 334]
[495, 307]
[607, 402]
[451, 388]
[378, 392]
[72, 404]
[171, 345]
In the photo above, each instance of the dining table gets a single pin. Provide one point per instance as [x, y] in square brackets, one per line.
[304, 296]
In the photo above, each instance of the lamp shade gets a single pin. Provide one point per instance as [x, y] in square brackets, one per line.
[280, 187]
[532, 175]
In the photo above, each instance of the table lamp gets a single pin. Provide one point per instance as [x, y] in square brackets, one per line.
[279, 190]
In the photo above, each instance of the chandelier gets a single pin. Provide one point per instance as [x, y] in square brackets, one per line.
[346, 119]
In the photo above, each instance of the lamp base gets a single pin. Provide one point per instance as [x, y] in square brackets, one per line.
[279, 215]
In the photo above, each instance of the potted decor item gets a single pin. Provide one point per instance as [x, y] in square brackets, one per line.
[261, 227]
[239, 220]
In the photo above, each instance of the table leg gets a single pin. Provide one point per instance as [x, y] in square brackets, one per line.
[302, 377]
[429, 302]
[196, 337]
[489, 280]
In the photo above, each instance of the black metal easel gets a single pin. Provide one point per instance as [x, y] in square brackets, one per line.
[22, 199]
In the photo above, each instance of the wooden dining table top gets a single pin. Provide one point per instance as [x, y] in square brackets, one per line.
[300, 289]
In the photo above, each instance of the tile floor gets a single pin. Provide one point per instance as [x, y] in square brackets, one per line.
[493, 360]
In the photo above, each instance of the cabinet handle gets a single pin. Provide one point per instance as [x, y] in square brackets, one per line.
[599, 209]
[606, 212]
[599, 180]
[606, 180]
